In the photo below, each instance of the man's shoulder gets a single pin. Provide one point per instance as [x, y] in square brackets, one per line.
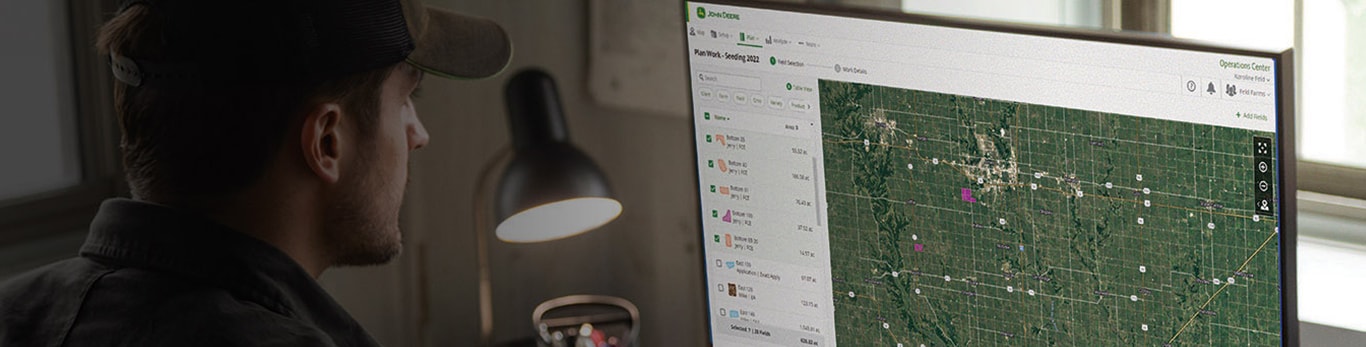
[52, 277]
[214, 317]
[34, 306]
[84, 302]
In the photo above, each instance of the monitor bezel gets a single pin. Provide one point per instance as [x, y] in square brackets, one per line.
[1284, 96]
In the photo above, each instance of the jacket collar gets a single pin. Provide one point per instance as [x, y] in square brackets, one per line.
[179, 243]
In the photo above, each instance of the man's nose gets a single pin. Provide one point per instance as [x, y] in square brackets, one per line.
[417, 136]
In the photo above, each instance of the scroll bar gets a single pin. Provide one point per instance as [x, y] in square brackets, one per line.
[816, 190]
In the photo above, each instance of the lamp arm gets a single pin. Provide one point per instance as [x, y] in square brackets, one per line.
[482, 225]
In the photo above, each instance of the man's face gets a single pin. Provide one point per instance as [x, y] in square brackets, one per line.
[362, 223]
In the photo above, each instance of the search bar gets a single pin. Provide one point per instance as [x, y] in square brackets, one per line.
[730, 81]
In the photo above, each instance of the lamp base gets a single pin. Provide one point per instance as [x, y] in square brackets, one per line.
[527, 342]
[586, 320]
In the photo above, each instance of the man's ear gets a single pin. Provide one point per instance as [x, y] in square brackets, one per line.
[321, 141]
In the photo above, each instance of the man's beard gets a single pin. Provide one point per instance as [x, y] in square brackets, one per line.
[362, 223]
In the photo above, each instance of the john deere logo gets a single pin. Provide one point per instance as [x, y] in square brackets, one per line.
[702, 13]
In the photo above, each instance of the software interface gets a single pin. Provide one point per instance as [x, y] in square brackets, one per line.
[871, 183]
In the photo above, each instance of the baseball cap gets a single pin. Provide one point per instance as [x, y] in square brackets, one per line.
[264, 41]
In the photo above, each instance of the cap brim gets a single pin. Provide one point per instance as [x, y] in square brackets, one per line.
[453, 45]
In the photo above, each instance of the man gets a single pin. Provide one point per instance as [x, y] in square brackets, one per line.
[264, 141]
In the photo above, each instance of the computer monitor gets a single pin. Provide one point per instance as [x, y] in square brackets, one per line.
[883, 179]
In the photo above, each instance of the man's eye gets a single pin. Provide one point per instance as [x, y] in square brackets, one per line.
[417, 93]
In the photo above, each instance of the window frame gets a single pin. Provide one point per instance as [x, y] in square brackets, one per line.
[61, 212]
[1334, 180]
[1323, 177]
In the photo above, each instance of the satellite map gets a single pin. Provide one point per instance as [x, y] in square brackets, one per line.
[961, 221]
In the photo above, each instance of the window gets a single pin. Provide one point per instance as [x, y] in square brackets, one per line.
[1333, 40]
[37, 140]
[58, 138]
[1330, 43]
[1047, 12]
[1274, 20]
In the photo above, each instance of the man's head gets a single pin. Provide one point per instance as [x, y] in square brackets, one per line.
[361, 221]
[315, 94]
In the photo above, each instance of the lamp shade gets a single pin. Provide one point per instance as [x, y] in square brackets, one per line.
[550, 189]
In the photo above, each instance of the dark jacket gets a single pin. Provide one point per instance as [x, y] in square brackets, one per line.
[150, 275]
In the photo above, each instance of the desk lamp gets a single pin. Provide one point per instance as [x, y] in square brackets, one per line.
[547, 188]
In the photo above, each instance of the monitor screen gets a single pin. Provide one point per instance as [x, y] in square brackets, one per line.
[878, 179]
